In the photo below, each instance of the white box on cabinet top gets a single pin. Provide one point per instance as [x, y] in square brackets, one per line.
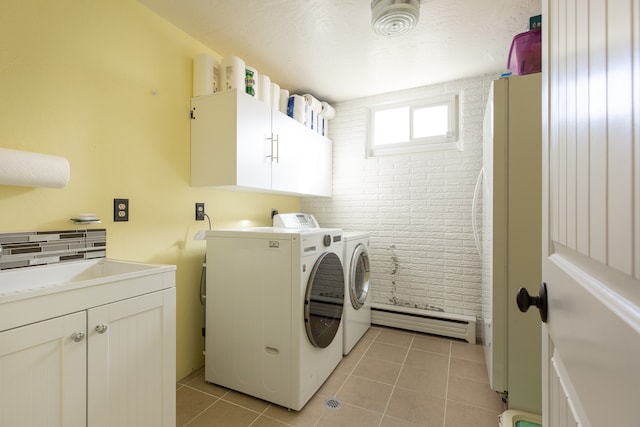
[88, 343]
[240, 143]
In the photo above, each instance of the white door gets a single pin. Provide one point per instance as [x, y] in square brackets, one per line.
[131, 362]
[43, 373]
[254, 148]
[289, 144]
[591, 212]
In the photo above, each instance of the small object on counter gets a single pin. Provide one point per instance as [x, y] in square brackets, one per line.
[86, 218]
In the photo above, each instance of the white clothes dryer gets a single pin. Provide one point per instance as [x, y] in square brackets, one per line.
[274, 310]
[357, 305]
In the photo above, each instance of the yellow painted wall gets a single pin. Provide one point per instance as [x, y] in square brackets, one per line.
[107, 84]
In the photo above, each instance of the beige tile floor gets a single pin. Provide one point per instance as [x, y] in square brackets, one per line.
[392, 378]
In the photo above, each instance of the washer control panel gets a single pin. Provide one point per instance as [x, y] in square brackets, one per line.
[295, 220]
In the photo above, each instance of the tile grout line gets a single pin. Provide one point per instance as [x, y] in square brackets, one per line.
[217, 399]
[201, 412]
[264, 414]
[349, 374]
[204, 392]
[446, 391]
[395, 383]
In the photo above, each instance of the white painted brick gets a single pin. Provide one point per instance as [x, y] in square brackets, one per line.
[419, 202]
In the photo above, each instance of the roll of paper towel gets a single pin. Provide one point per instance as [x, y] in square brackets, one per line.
[275, 96]
[232, 72]
[297, 108]
[313, 109]
[28, 169]
[264, 89]
[284, 100]
[326, 113]
[206, 75]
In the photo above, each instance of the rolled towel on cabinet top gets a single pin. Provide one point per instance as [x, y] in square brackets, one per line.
[275, 96]
[313, 109]
[232, 73]
[327, 113]
[284, 100]
[296, 108]
[206, 75]
[264, 89]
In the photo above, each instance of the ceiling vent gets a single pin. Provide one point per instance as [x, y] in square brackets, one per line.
[392, 18]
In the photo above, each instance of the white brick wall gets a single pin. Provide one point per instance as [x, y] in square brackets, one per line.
[417, 206]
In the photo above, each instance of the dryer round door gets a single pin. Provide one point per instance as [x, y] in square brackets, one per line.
[359, 276]
[324, 300]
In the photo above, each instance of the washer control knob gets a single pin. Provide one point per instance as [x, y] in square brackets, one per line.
[327, 240]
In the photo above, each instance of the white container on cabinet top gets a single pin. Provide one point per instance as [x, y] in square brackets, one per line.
[240, 143]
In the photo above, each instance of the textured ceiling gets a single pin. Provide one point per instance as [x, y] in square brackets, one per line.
[327, 47]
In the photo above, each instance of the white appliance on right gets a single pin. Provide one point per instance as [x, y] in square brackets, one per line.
[510, 238]
[356, 318]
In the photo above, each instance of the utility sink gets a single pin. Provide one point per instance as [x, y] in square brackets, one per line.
[93, 271]
[53, 288]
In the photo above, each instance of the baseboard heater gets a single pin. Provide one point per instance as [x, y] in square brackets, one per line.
[427, 321]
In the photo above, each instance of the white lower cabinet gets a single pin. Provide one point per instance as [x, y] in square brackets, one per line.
[131, 362]
[43, 373]
[110, 365]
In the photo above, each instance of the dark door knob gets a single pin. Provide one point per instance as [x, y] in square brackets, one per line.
[525, 301]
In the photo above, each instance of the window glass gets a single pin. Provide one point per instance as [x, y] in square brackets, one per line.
[392, 126]
[430, 121]
[420, 125]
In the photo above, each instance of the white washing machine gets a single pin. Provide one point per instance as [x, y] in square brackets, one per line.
[274, 310]
[357, 306]
[356, 318]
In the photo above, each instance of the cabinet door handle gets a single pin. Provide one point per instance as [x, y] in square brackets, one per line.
[270, 140]
[101, 328]
[277, 156]
[78, 336]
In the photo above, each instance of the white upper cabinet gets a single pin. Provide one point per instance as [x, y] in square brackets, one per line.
[239, 143]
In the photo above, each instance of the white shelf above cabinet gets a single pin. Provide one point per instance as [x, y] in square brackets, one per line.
[240, 143]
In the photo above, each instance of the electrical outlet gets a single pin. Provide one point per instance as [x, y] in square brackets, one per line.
[199, 211]
[120, 210]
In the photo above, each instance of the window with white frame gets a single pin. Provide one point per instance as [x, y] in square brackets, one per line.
[418, 125]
